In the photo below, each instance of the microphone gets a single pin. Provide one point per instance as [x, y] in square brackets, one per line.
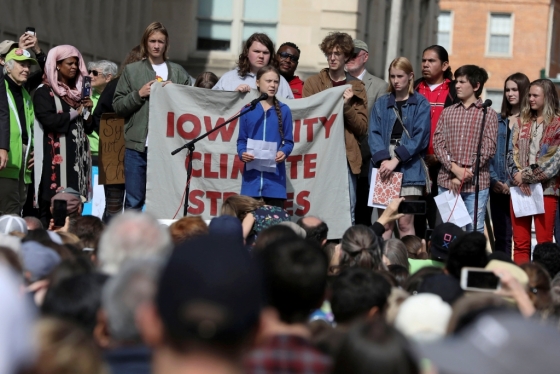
[254, 102]
[487, 103]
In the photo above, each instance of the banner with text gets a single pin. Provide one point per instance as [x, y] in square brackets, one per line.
[317, 176]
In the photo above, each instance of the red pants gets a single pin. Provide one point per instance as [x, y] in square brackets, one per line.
[544, 229]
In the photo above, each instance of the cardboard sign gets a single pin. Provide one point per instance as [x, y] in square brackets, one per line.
[111, 149]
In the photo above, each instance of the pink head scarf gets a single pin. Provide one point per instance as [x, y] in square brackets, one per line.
[70, 95]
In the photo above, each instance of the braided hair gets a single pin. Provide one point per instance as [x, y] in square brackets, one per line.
[260, 73]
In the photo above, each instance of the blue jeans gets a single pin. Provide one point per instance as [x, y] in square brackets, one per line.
[352, 185]
[135, 164]
[468, 198]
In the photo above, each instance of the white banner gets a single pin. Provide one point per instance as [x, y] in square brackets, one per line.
[317, 176]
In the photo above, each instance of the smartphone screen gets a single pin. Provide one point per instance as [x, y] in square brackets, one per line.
[479, 279]
[86, 88]
[412, 207]
[59, 212]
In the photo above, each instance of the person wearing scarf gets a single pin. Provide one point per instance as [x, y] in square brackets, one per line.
[62, 113]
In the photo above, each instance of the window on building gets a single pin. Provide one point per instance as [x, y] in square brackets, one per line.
[500, 30]
[224, 24]
[496, 96]
[444, 30]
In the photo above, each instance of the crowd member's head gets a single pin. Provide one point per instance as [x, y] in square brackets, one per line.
[5, 47]
[469, 251]
[134, 55]
[121, 299]
[273, 234]
[358, 293]
[470, 81]
[74, 202]
[101, 73]
[38, 261]
[548, 255]
[187, 227]
[423, 317]
[539, 285]
[89, 230]
[10, 258]
[338, 48]
[395, 252]
[206, 307]
[413, 246]
[555, 291]
[258, 51]
[399, 272]
[12, 223]
[155, 43]
[64, 72]
[515, 89]
[401, 76]
[435, 64]
[442, 237]
[468, 308]
[65, 348]
[295, 273]
[18, 65]
[413, 282]
[227, 226]
[206, 80]
[334, 254]
[542, 99]
[131, 235]
[33, 223]
[77, 299]
[375, 347]
[287, 59]
[316, 229]
[443, 285]
[357, 63]
[239, 205]
[360, 247]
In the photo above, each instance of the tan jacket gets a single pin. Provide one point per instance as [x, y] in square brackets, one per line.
[355, 113]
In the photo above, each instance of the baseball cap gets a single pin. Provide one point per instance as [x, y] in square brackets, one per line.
[442, 236]
[19, 54]
[9, 223]
[515, 271]
[38, 259]
[72, 197]
[358, 45]
[497, 343]
[5, 46]
[226, 226]
[423, 317]
[210, 291]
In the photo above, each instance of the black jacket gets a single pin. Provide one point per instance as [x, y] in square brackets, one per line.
[4, 115]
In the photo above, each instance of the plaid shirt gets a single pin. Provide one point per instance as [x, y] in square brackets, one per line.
[456, 140]
[287, 354]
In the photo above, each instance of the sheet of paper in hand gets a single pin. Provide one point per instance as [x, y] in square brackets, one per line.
[381, 192]
[452, 209]
[524, 205]
[265, 155]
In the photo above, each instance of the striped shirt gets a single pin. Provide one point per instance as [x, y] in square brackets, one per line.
[456, 140]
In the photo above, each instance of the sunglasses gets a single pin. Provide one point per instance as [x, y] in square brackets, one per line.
[94, 72]
[285, 55]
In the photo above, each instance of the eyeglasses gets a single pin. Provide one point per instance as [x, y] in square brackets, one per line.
[285, 55]
[94, 72]
[359, 54]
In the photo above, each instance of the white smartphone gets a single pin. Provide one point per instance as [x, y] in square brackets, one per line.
[479, 279]
[30, 30]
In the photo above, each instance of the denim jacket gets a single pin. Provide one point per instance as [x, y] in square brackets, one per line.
[416, 118]
[498, 163]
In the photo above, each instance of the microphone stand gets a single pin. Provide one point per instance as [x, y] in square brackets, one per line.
[477, 169]
[190, 146]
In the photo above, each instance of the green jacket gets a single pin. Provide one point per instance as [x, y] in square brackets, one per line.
[15, 161]
[128, 103]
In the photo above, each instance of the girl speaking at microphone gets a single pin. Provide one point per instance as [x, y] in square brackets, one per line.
[269, 122]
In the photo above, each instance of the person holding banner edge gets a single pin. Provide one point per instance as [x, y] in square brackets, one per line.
[271, 121]
[535, 158]
[399, 133]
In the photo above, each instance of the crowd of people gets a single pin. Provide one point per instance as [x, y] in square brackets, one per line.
[251, 290]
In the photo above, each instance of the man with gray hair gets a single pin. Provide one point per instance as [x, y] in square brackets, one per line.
[132, 235]
[101, 73]
[116, 332]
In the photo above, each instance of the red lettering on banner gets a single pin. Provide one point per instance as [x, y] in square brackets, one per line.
[213, 196]
[303, 202]
[208, 173]
[196, 173]
[327, 123]
[184, 118]
[309, 123]
[293, 160]
[226, 131]
[170, 124]
[196, 205]
[297, 129]
[309, 165]
[237, 169]
[223, 166]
